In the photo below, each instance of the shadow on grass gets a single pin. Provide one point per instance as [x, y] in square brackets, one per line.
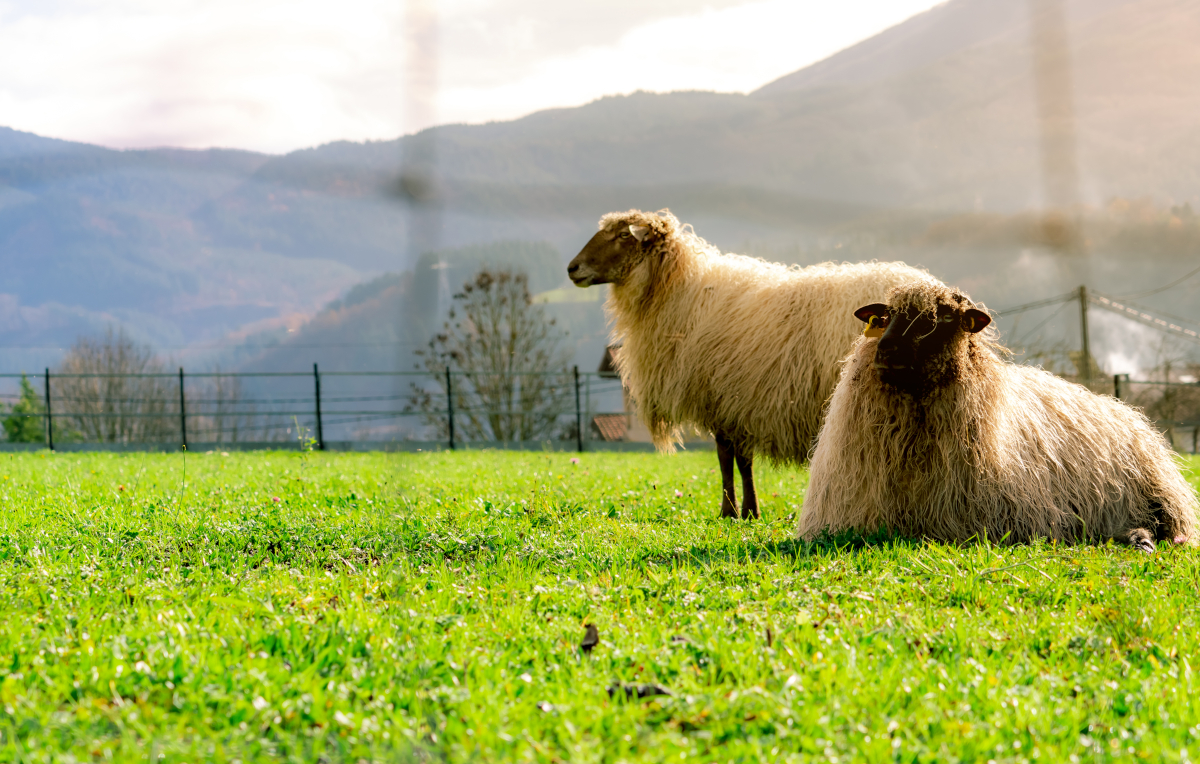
[848, 542]
[258, 538]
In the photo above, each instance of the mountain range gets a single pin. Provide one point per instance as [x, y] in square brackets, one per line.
[879, 151]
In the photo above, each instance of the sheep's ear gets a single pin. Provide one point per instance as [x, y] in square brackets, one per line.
[876, 309]
[975, 320]
[639, 231]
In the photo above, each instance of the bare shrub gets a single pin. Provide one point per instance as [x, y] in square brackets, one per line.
[114, 390]
[514, 383]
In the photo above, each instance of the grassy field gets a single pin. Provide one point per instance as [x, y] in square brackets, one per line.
[429, 607]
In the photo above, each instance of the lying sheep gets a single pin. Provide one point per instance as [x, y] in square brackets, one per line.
[732, 345]
[931, 433]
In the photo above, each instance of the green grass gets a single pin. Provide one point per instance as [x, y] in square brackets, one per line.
[429, 607]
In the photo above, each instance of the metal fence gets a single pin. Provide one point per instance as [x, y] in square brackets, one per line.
[323, 410]
[1173, 406]
[566, 410]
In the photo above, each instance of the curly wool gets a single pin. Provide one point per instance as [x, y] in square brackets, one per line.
[731, 344]
[1009, 451]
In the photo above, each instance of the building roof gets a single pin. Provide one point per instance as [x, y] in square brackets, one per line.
[612, 427]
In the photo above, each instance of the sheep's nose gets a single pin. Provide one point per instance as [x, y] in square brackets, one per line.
[572, 268]
[887, 352]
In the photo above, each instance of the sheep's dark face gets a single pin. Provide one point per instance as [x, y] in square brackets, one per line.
[915, 345]
[610, 255]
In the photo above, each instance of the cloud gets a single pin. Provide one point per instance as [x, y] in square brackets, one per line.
[275, 75]
[734, 49]
[269, 75]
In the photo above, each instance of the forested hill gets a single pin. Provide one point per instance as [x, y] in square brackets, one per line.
[856, 156]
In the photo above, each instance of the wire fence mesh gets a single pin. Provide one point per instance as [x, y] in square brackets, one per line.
[569, 410]
[566, 409]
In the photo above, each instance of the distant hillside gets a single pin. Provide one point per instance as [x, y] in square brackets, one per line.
[91, 237]
[378, 324]
[853, 157]
[933, 116]
[925, 40]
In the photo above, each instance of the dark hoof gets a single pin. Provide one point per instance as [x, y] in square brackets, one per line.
[750, 506]
[730, 511]
[1141, 540]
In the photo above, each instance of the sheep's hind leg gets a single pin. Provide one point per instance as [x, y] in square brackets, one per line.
[1141, 540]
[745, 463]
[729, 506]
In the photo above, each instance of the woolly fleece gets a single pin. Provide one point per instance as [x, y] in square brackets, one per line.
[1011, 451]
[731, 344]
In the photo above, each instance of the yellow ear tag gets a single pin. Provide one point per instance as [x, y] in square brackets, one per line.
[872, 330]
[972, 327]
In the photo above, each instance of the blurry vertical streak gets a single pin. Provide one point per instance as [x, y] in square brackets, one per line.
[1056, 116]
[1061, 223]
[418, 185]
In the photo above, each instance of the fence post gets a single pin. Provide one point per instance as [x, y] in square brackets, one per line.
[49, 416]
[578, 415]
[1085, 350]
[182, 412]
[1117, 386]
[317, 398]
[450, 406]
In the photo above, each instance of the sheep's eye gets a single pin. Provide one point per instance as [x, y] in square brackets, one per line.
[947, 319]
[624, 234]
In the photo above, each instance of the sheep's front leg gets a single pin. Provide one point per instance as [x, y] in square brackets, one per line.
[728, 497]
[745, 463]
[1141, 540]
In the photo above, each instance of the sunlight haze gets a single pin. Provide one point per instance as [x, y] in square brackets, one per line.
[275, 76]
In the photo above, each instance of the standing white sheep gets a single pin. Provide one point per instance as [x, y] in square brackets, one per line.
[736, 346]
[931, 433]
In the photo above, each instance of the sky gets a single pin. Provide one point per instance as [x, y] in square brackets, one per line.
[278, 75]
